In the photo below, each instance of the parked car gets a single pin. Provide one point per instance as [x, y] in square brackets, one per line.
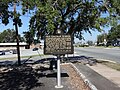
[13, 51]
[34, 49]
[2, 53]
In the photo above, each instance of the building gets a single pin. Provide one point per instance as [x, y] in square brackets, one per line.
[13, 45]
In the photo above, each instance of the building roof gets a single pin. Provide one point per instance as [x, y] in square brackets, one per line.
[2, 44]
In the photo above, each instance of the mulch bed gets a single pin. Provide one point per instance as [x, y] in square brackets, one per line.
[75, 80]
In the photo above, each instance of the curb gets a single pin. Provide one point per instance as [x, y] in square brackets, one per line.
[106, 60]
[84, 78]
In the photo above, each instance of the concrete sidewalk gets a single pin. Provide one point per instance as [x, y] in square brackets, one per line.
[111, 74]
[100, 82]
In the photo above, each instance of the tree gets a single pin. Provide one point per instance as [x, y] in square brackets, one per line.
[9, 36]
[5, 15]
[101, 38]
[90, 43]
[114, 33]
[71, 16]
[29, 38]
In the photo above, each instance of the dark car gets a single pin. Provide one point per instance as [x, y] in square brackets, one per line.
[34, 49]
[13, 51]
[2, 53]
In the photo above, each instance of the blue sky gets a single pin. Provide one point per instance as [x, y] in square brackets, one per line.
[93, 37]
[25, 20]
[25, 26]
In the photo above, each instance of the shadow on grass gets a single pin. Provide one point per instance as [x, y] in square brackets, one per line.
[69, 59]
[75, 59]
[19, 78]
[25, 77]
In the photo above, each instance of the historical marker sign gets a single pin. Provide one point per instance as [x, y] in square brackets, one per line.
[58, 44]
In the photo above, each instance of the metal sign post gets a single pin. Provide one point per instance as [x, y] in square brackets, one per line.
[58, 73]
[58, 45]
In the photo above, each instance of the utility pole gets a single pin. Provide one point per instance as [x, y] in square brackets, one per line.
[17, 38]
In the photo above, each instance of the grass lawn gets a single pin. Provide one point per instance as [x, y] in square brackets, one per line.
[21, 57]
[112, 65]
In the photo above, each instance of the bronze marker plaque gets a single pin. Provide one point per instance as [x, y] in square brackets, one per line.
[58, 44]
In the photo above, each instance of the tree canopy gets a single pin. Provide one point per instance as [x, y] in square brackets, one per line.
[114, 33]
[28, 37]
[70, 16]
[101, 37]
[9, 36]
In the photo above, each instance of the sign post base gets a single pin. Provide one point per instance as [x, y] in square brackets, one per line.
[58, 86]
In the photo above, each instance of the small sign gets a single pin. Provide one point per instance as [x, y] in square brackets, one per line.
[58, 44]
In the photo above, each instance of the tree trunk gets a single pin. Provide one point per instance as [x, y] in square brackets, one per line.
[17, 37]
[18, 49]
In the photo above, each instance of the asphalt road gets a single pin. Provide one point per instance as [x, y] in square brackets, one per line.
[99, 53]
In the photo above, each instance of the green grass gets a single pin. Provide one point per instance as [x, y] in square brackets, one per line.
[21, 57]
[112, 65]
[107, 47]
[100, 46]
